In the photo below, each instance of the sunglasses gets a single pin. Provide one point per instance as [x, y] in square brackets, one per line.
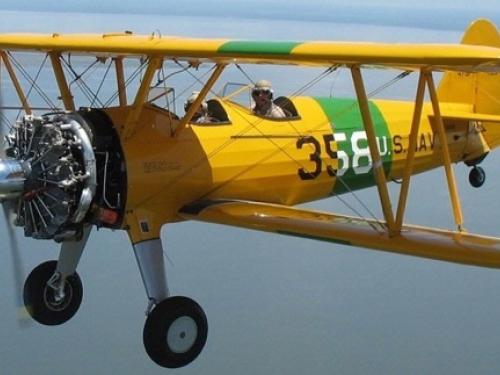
[259, 92]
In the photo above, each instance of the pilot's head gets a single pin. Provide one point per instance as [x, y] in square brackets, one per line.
[262, 92]
[203, 106]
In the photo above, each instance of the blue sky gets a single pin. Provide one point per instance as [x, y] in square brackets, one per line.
[275, 304]
[95, 4]
[446, 14]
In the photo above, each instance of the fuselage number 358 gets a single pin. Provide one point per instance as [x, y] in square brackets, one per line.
[359, 160]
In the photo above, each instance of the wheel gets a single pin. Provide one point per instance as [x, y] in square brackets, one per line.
[40, 299]
[175, 332]
[477, 176]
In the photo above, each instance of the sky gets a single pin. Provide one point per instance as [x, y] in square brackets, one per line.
[444, 14]
[275, 304]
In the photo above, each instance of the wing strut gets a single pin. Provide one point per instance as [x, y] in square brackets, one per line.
[120, 79]
[425, 79]
[450, 175]
[378, 169]
[415, 124]
[201, 96]
[140, 97]
[67, 98]
[15, 82]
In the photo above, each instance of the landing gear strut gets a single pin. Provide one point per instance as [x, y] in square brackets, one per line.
[477, 176]
[176, 328]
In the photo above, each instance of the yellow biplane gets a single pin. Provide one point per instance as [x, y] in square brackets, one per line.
[135, 165]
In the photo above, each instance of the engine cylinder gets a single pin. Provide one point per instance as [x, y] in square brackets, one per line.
[50, 171]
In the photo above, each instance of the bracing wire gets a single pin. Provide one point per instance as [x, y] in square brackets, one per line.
[128, 81]
[298, 92]
[30, 80]
[102, 83]
[307, 86]
[353, 209]
[86, 90]
[34, 80]
[78, 79]
[245, 73]
[230, 141]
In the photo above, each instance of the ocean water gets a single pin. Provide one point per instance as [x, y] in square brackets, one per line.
[275, 305]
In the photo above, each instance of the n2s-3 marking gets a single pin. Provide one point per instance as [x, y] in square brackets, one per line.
[360, 161]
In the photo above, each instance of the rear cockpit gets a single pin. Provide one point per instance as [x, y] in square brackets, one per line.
[237, 99]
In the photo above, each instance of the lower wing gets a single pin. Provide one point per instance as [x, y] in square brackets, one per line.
[450, 246]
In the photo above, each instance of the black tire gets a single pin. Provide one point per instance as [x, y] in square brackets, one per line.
[39, 297]
[477, 177]
[165, 338]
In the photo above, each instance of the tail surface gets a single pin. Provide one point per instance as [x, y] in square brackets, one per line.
[481, 90]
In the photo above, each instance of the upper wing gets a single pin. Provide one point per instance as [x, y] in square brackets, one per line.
[457, 247]
[458, 57]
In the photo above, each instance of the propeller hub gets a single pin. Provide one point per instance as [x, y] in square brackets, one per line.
[12, 178]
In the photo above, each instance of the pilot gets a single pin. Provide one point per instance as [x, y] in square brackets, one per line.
[262, 95]
[201, 115]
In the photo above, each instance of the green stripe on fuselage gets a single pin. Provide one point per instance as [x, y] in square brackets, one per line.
[241, 47]
[345, 119]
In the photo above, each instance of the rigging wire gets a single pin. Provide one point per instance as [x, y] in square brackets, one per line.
[32, 85]
[297, 92]
[78, 76]
[102, 82]
[353, 209]
[227, 143]
[5, 121]
[78, 79]
[197, 80]
[359, 200]
[315, 81]
[86, 90]
[245, 74]
[30, 80]
[251, 125]
[128, 81]
[163, 80]
[400, 76]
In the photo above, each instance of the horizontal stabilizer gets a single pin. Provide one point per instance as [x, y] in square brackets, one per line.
[470, 116]
[457, 247]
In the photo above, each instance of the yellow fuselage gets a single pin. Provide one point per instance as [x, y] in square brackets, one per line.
[318, 154]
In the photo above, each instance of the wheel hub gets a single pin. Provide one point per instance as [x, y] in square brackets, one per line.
[182, 334]
[52, 299]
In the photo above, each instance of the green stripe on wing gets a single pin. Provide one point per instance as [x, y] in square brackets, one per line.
[241, 47]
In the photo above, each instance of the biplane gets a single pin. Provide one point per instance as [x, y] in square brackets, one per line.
[133, 165]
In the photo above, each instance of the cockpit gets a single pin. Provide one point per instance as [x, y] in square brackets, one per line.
[233, 97]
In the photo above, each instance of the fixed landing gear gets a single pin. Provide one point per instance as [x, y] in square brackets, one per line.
[175, 332]
[176, 328]
[53, 291]
[48, 304]
[477, 176]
